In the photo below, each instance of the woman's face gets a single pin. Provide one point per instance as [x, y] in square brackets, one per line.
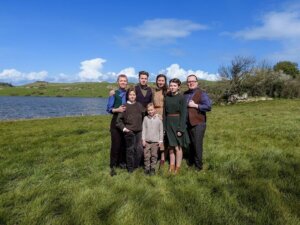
[122, 82]
[160, 82]
[132, 96]
[173, 87]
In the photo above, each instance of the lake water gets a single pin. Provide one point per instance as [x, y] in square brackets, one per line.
[16, 107]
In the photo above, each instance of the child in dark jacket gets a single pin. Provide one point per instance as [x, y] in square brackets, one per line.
[130, 122]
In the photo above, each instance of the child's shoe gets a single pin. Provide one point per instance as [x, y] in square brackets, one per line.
[172, 168]
[147, 172]
[177, 169]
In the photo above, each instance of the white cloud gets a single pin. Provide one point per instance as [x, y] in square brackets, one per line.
[159, 31]
[130, 72]
[275, 25]
[165, 29]
[15, 76]
[91, 69]
[174, 71]
[281, 26]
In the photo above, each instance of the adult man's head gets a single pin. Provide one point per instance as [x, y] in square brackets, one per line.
[143, 78]
[192, 81]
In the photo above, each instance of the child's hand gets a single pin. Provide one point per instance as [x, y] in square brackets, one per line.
[144, 143]
[121, 108]
[158, 115]
[161, 146]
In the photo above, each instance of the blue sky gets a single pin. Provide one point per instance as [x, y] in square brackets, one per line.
[89, 40]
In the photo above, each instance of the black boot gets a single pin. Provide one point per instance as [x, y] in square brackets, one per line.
[113, 172]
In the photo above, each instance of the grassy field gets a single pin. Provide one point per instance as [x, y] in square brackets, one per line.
[59, 89]
[55, 171]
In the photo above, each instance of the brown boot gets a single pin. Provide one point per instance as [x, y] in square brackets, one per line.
[172, 168]
[177, 169]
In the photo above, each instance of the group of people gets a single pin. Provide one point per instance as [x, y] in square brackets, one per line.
[148, 124]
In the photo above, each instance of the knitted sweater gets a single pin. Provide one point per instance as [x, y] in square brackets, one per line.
[132, 118]
[152, 129]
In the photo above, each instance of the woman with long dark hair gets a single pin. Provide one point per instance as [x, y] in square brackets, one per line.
[158, 95]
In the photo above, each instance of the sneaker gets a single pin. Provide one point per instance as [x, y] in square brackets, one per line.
[152, 172]
[147, 172]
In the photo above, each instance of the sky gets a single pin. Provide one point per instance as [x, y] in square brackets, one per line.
[96, 40]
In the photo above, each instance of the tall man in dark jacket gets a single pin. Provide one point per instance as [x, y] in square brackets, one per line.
[143, 91]
[198, 104]
[143, 96]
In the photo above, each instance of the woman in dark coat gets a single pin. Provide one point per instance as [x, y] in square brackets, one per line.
[175, 112]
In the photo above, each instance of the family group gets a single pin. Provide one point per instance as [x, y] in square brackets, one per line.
[152, 123]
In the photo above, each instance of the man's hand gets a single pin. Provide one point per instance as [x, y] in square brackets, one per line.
[112, 92]
[120, 109]
[179, 134]
[192, 104]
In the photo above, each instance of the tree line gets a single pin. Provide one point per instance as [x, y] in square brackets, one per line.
[245, 76]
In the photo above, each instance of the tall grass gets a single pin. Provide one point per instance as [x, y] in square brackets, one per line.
[55, 171]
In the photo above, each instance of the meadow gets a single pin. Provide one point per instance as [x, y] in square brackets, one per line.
[56, 171]
[93, 89]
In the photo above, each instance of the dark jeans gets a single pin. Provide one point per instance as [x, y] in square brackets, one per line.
[134, 149]
[196, 134]
[117, 149]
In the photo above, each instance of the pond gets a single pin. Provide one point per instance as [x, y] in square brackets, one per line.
[17, 107]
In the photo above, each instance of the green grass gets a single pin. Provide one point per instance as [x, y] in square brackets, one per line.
[60, 89]
[55, 171]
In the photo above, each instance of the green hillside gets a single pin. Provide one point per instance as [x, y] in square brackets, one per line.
[59, 89]
[92, 89]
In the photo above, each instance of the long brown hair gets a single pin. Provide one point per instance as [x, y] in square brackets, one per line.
[165, 87]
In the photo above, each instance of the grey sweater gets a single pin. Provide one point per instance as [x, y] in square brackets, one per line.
[152, 129]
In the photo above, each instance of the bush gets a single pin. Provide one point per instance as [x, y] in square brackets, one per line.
[291, 88]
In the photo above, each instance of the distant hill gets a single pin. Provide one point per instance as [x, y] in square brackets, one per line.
[42, 88]
[78, 89]
[2, 84]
